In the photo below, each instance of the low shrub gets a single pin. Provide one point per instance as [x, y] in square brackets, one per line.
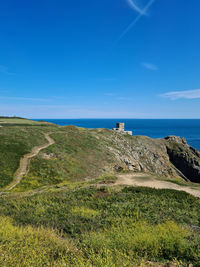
[28, 246]
[138, 239]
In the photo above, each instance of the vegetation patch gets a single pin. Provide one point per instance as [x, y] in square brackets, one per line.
[107, 178]
[128, 243]
[15, 142]
[108, 226]
[75, 217]
[32, 246]
[77, 156]
[138, 239]
[84, 212]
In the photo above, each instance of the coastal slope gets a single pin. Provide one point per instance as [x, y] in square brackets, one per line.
[85, 198]
[79, 154]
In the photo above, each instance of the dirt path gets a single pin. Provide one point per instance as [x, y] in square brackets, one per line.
[24, 162]
[142, 179]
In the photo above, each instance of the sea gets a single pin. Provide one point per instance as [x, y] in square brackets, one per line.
[154, 128]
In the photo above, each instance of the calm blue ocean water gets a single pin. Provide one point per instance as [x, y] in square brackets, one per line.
[154, 128]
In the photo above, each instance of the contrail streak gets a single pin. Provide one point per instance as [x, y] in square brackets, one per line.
[136, 20]
[135, 7]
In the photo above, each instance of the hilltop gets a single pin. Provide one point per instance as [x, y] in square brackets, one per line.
[79, 154]
[77, 184]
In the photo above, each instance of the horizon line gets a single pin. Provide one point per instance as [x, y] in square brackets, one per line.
[114, 118]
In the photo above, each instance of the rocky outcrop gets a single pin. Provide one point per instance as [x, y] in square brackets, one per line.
[168, 157]
[184, 157]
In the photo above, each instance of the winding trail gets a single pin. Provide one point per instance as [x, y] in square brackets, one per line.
[147, 180]
[131, 179]
[24, 162]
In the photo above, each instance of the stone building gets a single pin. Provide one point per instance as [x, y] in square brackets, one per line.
[120, 126]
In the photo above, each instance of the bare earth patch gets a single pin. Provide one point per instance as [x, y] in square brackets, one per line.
[147, 180]
[47, 156]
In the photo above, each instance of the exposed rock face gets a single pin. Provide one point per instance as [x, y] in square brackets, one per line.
[168, 157]
[184, 157]
[144, 154]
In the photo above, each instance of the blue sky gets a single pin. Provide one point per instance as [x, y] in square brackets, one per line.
[100, 58]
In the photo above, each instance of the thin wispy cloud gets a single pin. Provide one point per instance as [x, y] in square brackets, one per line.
[109, 94]
[141, 12]
[62, 111]
[149, 66]
[105, 79]
[188, 94]
[123, 98]
[24, 98]
[4, 70]
[117, 97]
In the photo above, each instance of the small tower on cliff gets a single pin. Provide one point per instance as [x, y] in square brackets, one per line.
[120, 126]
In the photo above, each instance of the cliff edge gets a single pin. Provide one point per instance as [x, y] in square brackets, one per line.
[167, 157]
[184, 157]
[80, 154]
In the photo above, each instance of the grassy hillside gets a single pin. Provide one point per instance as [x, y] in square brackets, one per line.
[14, 121]
[104, 226]
[81, 154]
[75, 156]
[16, 141]
[63, 213]
[78, 154]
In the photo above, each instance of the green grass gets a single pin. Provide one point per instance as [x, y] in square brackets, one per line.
[14, 143]
[75, 156]
[28, 246]
[14, 121]
[108, 226]
[138, 239]
[126, 244]
[54, 208]
[17, 138]
[106, 178]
